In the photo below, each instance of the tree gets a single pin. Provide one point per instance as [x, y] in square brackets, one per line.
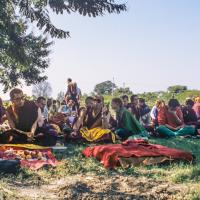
[122, 91]
[23, 54]
[61, 96]
[42, 89]
[105, 87]
[176, 89]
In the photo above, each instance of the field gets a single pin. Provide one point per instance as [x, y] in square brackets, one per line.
[80, 178]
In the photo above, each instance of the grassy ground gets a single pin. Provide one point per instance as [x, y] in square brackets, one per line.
[73, 164]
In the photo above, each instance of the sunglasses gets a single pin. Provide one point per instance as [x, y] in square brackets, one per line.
[97, 100]
[19, 98]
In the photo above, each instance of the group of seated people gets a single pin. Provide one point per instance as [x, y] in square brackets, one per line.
[166, 120]
[41, 121]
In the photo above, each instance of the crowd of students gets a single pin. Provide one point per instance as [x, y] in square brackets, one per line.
[42, 121]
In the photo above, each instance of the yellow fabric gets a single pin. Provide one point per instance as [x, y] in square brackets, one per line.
[27, 146]
[96, 133]
[57, 128]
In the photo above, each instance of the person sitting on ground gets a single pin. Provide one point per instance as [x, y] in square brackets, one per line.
[41, 103]
[84, 114]
[63, 107]
[171, 123]
[48, 126]
[144, 110]
[91, 116]
[125, 101]
[67, 108]
[53, 109]
[69, 111]
[189, 114]
[134, 107]
[49, 103]
[58, 104]
[154, 112]
[25, 120]
[127, 124]
[93, 122]
[196, 107]
[101, 129]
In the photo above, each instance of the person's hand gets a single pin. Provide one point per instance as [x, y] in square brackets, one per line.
[4, 128]
[30, 136]
[74, 134]
[179, 127]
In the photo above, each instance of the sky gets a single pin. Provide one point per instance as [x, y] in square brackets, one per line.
[155, 44]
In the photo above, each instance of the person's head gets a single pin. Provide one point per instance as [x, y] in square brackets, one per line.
[116, 104]
[89, 102]
[141, 102]
[17, 97]
[98, 101]
[163, 103]
[63, 103]
[159, 103]
[69, 80]
[125, 100]
[197, 99]
[173, 104]
[54, 102]
[70, 103]
[58, 103]
[41, 102]
[49, 103]
[134, 99]
[75, 85]
[189, 103]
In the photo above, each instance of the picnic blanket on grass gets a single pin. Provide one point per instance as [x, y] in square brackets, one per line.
[113, 155]
[31, 156]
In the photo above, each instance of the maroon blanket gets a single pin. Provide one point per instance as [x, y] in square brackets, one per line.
[30, 158]
[109, 155]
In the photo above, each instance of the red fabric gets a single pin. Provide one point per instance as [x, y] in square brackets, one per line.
[109, 154]
[58, 119]
[33, 164]
[165, 117]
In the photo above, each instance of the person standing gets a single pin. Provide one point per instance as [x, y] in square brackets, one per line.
[73, 92]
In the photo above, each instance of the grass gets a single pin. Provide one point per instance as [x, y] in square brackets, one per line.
[73, 162]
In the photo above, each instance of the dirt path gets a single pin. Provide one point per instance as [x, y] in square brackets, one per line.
[95, 187]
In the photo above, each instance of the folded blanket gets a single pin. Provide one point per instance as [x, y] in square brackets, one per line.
[97, 135]
[110, 155]
[30, 156]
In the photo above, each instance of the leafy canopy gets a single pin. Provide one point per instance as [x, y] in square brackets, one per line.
[24, 54]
